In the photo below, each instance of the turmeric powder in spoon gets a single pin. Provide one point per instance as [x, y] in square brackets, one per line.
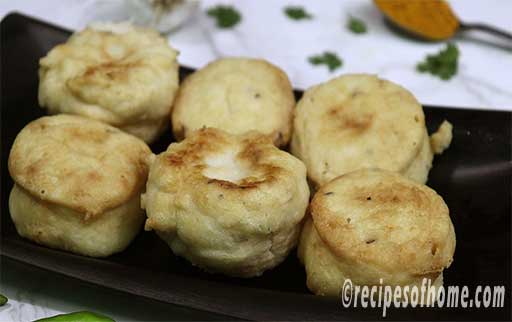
[430, 19]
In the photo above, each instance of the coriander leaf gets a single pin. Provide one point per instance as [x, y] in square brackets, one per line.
[356, 25]
[77, 316]
[297, 13]
[226, 16]
[444, 64]
[330, 59]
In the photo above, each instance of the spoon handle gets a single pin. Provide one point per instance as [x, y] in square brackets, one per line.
[484, 27]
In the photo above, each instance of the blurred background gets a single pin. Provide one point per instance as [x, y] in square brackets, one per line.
[264, 30]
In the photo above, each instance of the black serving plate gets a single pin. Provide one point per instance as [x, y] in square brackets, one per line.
[473, 176]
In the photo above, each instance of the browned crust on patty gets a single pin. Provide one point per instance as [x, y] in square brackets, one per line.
[207, 141]
[381, 218]
[79, 163]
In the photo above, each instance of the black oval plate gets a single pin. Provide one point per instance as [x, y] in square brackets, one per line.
[473, 176]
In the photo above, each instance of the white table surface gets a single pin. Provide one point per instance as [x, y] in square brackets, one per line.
[484, 81]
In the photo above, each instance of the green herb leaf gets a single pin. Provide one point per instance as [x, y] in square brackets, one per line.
[77, 317]
[297, 13]
[356, 25]
[444, 64]
[330, 59]
[3, 300]
[226, 16]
